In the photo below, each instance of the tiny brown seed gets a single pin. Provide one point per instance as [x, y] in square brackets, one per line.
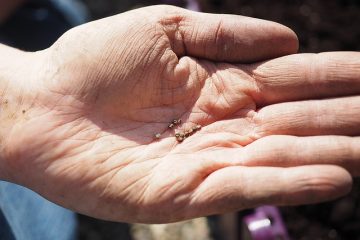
[187, 134]
[177, 135]
[171, 125]
[174, 122]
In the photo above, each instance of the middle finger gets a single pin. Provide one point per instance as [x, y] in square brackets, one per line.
[339, 116]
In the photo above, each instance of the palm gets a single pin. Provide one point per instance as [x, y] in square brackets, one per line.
[104, 104]
[112, 149]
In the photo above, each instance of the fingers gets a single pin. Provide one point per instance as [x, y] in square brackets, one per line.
[227, 38]
[236, 188]
[285, 151]
[339, 116]
[304, 76]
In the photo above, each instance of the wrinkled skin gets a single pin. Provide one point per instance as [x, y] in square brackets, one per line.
[87, 116]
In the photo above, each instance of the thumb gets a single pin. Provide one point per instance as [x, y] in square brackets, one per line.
[229, 38]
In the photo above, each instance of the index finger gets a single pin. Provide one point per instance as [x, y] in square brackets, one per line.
[307, 76]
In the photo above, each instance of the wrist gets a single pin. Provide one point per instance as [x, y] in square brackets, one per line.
[18, 72]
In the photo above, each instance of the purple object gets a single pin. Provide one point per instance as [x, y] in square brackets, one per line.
[266, 224]
[193, 5]
[190, 4]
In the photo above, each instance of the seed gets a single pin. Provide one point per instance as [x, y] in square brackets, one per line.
[180, 139]
[182, 135]
[177, 135]
[176, 122]
[198, 127]
[158, 135]
[171, 125]
[187, 134]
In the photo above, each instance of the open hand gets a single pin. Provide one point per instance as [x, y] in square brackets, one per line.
[92, 130]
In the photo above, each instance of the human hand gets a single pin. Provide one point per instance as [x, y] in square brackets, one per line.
[293, 131]
[85, 124]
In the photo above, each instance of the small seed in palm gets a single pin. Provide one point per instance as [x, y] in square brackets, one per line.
[188, 133]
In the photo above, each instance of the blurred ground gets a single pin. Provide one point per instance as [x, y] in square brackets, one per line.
[332, 25]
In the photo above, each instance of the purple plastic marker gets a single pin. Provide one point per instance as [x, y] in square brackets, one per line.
[265, 224]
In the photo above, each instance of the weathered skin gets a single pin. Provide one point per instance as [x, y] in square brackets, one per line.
[79, 119]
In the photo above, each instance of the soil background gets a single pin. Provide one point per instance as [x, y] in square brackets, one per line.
[332, 25]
